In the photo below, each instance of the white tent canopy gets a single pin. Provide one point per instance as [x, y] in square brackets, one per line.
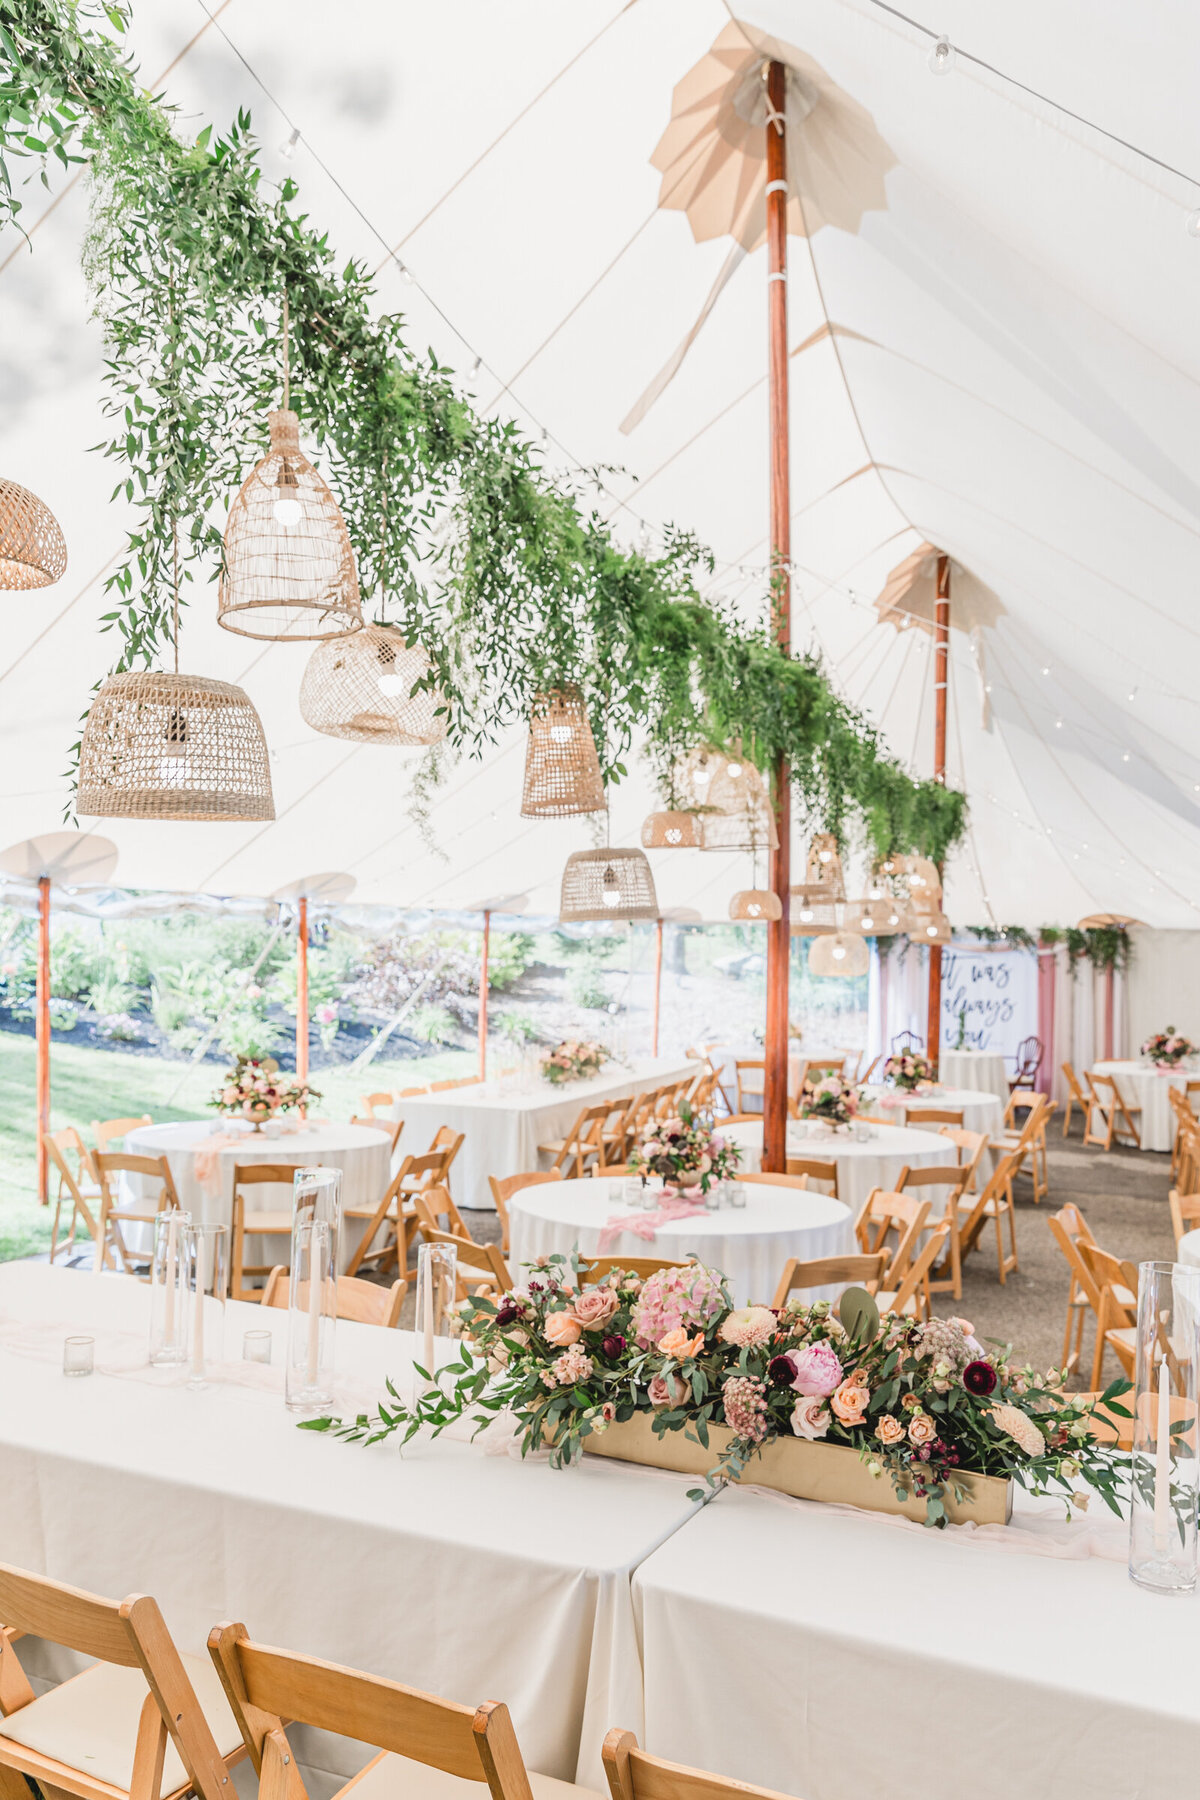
[1011, 376]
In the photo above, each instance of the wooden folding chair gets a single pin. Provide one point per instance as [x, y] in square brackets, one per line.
[745, 1069]
[426, 1745]
[395, 1210]
[258, 1223]
[368, 1102]
[936, 1116]
[815, 1169]
[1069, 1229]
[505, 1186]
[141, 1723]
[449, 1142]
[912, 1295]
[954, 1177]
[110, 1165]
[1028, 1062]
[481, 1268]
[110, 1131]
[1186, 1123]
[362, 1302]
[1185, 1213]
[757, 1178]
[816, 1070]
[633, 1774]
[830, 1271]
[905, 1042]
[1187, 1163]
[886, 1212]
[1115, 1114]
[971, 1147]
[597, 1269]
[870, 1069]
[83, 1194]
[573, 1154]
[995, 1203]
[390, 1127]
[1076, 1098]
[705, 1054]
[1029, 1145]
[1116, 1284]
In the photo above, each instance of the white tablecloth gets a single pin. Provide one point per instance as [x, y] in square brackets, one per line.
[502, 1127]
[980, 1111]
[470, 1575]
[859, 1658]
[748, 1244]
[1189, 1249]
[359, 1152]
[725, 1057]
[876, 1164]
[1141, 1085]
[984, 1070]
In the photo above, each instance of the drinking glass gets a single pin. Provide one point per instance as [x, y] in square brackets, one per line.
[737, 1193]
[208, 1290]
[257, 1346]
[437, 1286]
[1165, 1482]
[169, 1287]
[79, 1355]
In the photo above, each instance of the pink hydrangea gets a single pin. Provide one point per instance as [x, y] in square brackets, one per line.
[688, 1297]
[745, 1405]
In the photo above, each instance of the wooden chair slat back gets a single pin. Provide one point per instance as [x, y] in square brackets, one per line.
[814, 1168]
[361, 1302]
[827, 1271]
[505, 1186]
[62, 1166]
[633, 1774]
[756, 1177]
[599, 1268]
[470, 1254]
[951, 1175]
[265, 1174]
[106, 1130]
[65, 1615]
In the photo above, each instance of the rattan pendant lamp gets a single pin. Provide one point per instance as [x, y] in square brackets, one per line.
[607, 884]
[562, 769]
[172, 746]
[33, 552]
[289, 567]
[840, 953]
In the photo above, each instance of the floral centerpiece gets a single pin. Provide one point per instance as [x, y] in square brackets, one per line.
[255, 1089]
[923, 1404]
[685, 1151]
[830, 1099]
[1167, 1049]
[572, 1060]
[910, 1071]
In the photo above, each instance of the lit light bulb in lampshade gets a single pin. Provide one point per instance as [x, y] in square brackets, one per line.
[826, 856]
[287, 508]
[754, 909]
[931, 931]
[561, 734]
[610, 891]
[392, 687]
[839, 951]
[893, 918]
[941, 57]
[866, 921]
[172, 765]
[806, 915]
[703, 775]
[733, 770]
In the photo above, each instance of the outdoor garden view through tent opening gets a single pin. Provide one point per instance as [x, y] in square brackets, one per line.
[602, 887]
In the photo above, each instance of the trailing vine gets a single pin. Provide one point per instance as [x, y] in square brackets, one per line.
[1104, 946]
[508, 578]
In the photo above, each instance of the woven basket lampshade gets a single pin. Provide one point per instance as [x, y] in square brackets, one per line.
[173, 747]
[562, 770]
[728, 790]
[289, 568]
[825, 866]
[607, 884]
[924, 885]
[841, 953]
[875, 918]
[928, 927]
[33, 553]
[756, 905]
[673, 831]
[361, 687]
[813, 910]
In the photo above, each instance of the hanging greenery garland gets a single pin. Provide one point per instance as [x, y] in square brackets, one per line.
[507, 577]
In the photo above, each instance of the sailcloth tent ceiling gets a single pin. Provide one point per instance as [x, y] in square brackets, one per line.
[1001, 362]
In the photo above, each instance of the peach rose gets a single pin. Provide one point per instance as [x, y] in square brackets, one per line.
[921, 1429]
[678, 1344]
[562, 1329]
[889, 1431]
[850, 1402]
[594, 1306]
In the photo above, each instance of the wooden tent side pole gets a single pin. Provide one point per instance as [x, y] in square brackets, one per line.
[779, 934]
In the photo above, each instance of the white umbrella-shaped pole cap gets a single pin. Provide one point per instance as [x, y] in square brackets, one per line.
[69, 858]
[1107, 922]
[682, 915]
[510, 904]
[330, 888]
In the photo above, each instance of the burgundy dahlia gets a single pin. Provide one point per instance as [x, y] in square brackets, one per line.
[613, 1346]
[979, 1378]
[782, 1370]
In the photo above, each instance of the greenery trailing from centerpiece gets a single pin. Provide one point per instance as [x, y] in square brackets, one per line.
[506, 577]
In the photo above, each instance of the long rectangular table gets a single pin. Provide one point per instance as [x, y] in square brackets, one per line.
[472, 1575]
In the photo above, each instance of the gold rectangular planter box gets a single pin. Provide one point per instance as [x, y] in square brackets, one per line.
[808, 1471]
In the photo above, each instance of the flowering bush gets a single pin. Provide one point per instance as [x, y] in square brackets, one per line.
[1167, 1049]
[573, 1060]
[256, 1090]
[685, 1151]
[911, 1071]
[831, 1099]
[923, 1404]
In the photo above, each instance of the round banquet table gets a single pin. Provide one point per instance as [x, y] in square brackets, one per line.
[1141, 1084]
[861, 1167]
[749, 1244]
[980, 1111]
[983, 1070]
[362, 1154]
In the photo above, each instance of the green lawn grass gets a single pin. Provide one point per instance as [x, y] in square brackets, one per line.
[87, 1084]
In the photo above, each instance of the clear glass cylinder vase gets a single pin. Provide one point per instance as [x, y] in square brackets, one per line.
[208, 1283]
[437, 1292]
[169, 1287]
[1165, 1486]
[312, 1289]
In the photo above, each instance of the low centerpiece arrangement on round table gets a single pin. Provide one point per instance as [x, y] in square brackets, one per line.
[255, 1089]
[1168, 1049]
[831, 1100]
[927, 1408]
[685, 1152]
[572, 1060]
[911, 1071]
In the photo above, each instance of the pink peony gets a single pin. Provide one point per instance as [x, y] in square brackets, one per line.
[749, 1327]
[667, 1390]
[594, 1307]
[818, 1370]
[810, 1417]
